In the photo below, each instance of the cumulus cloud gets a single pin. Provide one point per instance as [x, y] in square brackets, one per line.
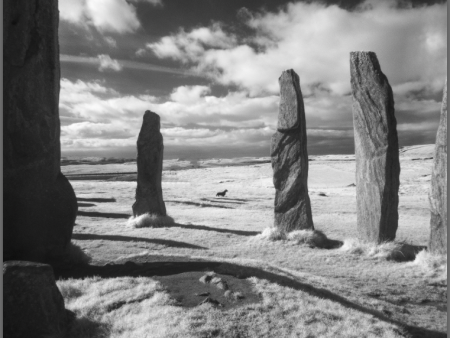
[194, 119]
[107, 16]
[106, 63]
[111, 42]
[315, 40]
[186, 46]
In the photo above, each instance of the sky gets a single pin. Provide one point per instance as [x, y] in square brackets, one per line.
[210, 69]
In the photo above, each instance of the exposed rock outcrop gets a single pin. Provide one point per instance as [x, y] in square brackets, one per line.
[149, 198]
[376, 149]
[438, 193]
[39, 203]
[32, 303]
[289, 157]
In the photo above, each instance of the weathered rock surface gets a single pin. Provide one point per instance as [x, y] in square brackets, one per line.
[438, 193]
[376, 149]
[289, 157]
[149, 198]
[32, 303]
[39, 203]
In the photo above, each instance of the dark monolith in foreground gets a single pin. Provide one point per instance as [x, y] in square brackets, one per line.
[376, 149]
[32, 305]
[289, 157]
[39, 203]
[438, 193]
[149, 198]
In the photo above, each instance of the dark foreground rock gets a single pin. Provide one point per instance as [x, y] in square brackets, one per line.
[376, 149]
[290, 159]
[438, 194]
[32, 303]
[149, 198]
[39, 203]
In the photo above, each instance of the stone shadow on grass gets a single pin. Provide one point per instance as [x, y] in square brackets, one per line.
[102, 214]
[165, 266]
[86, 327]
[218, 200]
[202, 205]
[160, 241]
[405, 253]
[97, 199]
[207, 228]
[86, 205]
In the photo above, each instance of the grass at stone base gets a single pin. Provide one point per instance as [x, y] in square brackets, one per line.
[147, 311]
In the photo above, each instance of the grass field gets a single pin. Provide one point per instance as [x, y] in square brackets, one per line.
[303, 290]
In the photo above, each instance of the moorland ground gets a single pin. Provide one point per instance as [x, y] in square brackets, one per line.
[387, 293]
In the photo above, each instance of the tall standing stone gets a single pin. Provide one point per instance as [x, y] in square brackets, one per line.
[39, 203]
[150, 149]
[376, 149]
[438, 194]
[289, 157]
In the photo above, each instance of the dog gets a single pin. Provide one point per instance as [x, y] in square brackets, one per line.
[221, 193]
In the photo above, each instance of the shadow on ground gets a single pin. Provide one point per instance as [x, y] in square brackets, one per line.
[102, 214]
[96, 199]
[207, 228]
[165, 242]
[202, 205]
[218, 200]
[166, 266]
[85, 205]
[406, 252]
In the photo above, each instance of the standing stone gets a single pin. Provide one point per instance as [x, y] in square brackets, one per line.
[438, 194]
[32, 303]
[39, 203]
[150, 149]
[376, 149]
[289, 157]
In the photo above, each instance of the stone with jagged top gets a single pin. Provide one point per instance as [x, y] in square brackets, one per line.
[289, 158]
[438, 194]
[376, 149]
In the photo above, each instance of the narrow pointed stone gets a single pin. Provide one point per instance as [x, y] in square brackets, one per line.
[438, 193]
[149, 198]
[376, 149]
[289, 157]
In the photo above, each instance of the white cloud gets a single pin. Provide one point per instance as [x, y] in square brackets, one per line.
[315, 40]
[106, 63]
[72, 10]
[113, 16]
[111, 42]
[189, 94]
[186, 46]
[192, 117]
[89, 130]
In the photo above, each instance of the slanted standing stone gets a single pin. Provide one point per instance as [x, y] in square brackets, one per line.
[39, 203]
[438, 194]
[32, 303]
[149, 198]
[376, 149]
[290, 159]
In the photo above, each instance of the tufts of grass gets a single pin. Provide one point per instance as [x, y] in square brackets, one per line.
[272, 234]
[150, 221]
[395, 251]
[311, 238]
[434, 266]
